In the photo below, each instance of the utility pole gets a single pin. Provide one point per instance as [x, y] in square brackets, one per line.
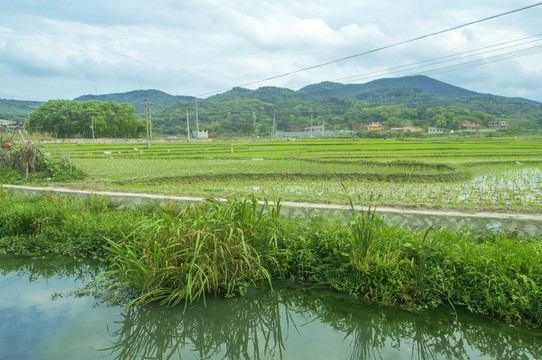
[254, 122]
[150, 121]
[197, 120]
[311, 124]
[147, 123]
[187, 125]
[274, 130]
[92, 126]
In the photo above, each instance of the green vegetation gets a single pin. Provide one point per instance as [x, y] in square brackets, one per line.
[11, 108]
[410, 101]
[48, 224]
[174, 254]
[415, 101]
[158, 100]
[67, 118]
[209, 248]
[227, 114]
[490, 174]
[27, 163]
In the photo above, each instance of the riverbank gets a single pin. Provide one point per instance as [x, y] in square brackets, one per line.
[477, 223]
[179, 253]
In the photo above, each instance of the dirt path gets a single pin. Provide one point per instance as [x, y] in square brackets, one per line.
[287, 204]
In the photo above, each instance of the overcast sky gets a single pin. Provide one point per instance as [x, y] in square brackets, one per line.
[65, 48]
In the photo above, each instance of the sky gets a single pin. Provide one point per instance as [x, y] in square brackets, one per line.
[66, 48]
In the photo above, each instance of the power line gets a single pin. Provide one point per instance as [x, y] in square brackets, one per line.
[456, 67]
[440, 70]
[443, 59]
[378, 49]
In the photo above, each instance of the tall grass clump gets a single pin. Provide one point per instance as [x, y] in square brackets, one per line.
[502, 277]
[210, 247]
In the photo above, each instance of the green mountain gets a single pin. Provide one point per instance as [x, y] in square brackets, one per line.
[414, 91]
[159, 100]
[17, 107]
[395, 102]
[422, 83]
[407, 101]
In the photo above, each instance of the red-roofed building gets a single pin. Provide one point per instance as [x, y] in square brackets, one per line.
[471, 127]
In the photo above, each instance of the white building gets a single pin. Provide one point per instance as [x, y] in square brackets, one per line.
[202, 134]
[435, 130]
[498, 125]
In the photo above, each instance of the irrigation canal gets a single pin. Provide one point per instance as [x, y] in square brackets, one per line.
[292, 322]
[476, 223]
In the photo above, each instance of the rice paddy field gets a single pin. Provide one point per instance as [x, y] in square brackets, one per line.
[460, 173]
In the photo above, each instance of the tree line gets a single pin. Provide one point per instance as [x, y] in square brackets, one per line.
[69, 118]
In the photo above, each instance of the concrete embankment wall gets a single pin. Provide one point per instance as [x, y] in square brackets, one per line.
[476, 223]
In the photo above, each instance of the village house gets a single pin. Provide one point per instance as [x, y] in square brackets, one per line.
[432, 130]
[470, 126]
[375, 127]
[412, 129]
[360, 126]
[315, 128]
[498, 125]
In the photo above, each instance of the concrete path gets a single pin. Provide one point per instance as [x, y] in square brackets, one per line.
[478, 223]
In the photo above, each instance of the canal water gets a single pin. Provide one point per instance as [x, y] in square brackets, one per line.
[293, 322]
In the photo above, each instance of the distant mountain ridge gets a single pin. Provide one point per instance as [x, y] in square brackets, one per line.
[159, 100]
[411, 91]
[17, 107]
[423, 83]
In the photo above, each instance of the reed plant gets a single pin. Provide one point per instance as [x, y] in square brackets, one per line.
[210, 247]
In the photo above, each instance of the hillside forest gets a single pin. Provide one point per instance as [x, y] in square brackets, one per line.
[405, 102]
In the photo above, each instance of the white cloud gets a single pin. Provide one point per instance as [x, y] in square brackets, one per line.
[195, 47]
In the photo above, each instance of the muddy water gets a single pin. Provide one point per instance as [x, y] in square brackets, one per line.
[293, 322]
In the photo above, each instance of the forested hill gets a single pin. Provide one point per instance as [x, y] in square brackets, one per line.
[159, 100]
[17, 107]
[408, 101]
[421, 83]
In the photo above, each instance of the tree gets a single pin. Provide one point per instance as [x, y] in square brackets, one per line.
[67, 118]
[247, 129]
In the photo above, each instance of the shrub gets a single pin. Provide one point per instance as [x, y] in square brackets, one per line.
[27, 161]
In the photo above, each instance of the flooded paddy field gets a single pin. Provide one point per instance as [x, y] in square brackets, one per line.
[492, 174]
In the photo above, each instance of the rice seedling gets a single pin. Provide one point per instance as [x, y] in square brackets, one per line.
[467, 174]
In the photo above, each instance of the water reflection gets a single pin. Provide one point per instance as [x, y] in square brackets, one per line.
[250, 327]
[292, 323]
[48, 267]
[263, 326]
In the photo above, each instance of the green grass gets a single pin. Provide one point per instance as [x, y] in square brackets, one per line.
[178, 254]
[211, 247]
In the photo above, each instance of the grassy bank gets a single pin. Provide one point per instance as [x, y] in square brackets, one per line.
[177, 255]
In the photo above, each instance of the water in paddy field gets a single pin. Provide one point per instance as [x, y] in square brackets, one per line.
[292, 323]
[527, 178]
